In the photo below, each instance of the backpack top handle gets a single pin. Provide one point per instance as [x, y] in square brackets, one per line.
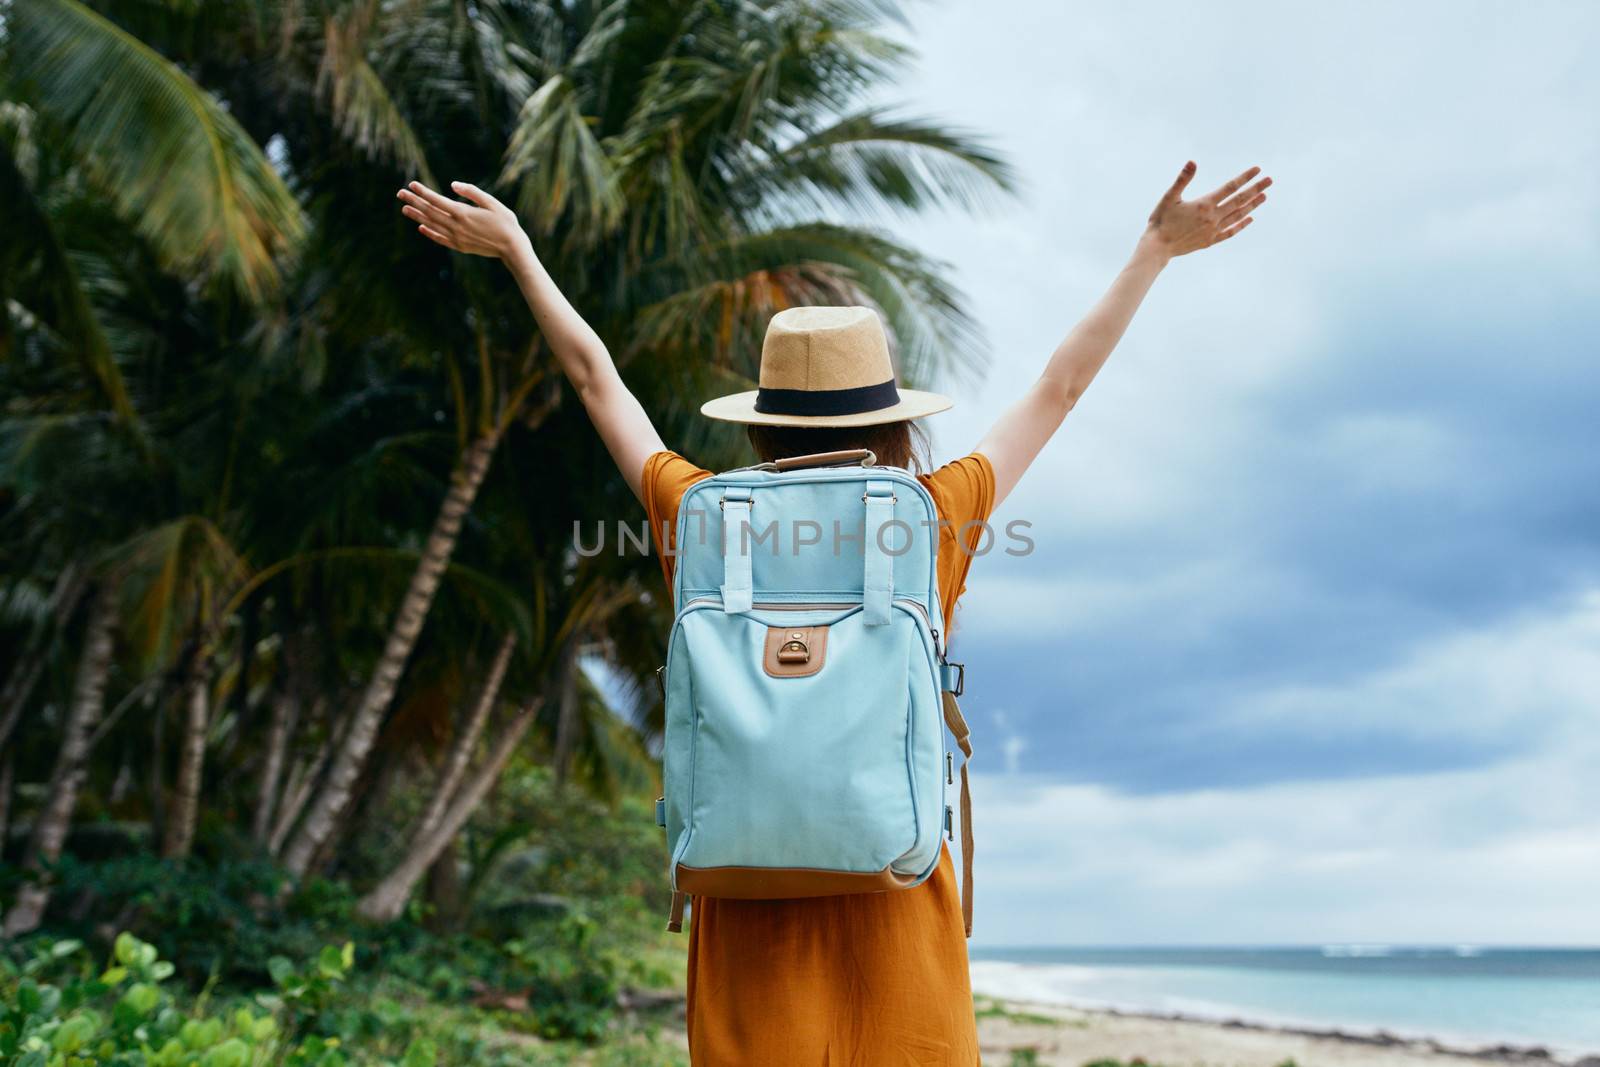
[847, 458]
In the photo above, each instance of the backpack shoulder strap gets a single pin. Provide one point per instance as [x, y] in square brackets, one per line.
[957, 724]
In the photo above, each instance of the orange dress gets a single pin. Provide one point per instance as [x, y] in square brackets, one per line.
[865, 980]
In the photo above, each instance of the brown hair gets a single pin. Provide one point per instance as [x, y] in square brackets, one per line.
[899, 444]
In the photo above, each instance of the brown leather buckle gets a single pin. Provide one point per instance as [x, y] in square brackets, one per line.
[794, 651]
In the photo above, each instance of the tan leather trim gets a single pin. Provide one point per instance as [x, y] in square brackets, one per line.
[864, 456]
[794, 651]
[784, 883]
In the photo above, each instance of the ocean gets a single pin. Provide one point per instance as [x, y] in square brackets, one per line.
[1461, 995]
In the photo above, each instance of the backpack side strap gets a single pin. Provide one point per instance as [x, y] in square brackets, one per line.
[877, 581]
[957, 724]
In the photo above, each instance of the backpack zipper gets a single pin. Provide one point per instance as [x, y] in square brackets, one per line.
[768, 605]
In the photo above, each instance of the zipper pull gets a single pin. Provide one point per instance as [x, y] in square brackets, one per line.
[949, 768]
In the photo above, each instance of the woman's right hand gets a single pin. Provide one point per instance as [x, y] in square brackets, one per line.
[479, 225]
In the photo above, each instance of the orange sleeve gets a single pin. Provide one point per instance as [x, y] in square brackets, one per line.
[963, 491]
[666, 476]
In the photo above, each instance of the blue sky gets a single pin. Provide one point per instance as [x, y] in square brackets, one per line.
[1310, 646]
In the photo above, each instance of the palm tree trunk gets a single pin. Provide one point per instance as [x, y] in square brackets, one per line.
[296, 791]
[467, 740]
[19, 686]
[566, 709]
[367, 715]
[444, 888]
[285, 713]
[179, 835]
[61, 799]
[30, 664]
[388, 898]
[8, 773]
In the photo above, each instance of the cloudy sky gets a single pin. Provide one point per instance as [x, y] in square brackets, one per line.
[1309, 649]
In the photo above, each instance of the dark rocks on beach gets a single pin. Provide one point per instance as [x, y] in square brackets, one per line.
[1516, 1054]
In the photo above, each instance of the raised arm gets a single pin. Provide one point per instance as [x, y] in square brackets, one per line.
[481, 225]
[1176, 227]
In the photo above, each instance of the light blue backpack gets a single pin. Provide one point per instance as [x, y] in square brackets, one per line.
[807, 690]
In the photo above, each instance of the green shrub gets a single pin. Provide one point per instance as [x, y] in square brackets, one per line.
[56, 1010]
[212, 919]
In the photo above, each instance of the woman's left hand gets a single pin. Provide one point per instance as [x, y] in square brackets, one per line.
[1178, 226]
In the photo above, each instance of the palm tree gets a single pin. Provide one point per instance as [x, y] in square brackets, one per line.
[97, 113]
[675, 150]
[236, 394]
[158, 148]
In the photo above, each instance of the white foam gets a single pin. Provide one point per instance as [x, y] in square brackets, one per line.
[1357, 951]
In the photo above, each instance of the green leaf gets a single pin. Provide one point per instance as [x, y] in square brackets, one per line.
[142, 997]
[127, 948]
[231, 1053]
[330, 961]
[65, 948]
[197, 1034]
[281, 970]
[420, 1053]
[170, 1055]
[73, 1034]
[28, 996]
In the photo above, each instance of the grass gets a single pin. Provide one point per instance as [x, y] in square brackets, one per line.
[987, 1008]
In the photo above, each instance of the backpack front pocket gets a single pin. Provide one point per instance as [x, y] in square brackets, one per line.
[799, 753]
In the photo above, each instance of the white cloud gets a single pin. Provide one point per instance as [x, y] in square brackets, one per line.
[1434, 169]
[1537, 677]
[1507, 853]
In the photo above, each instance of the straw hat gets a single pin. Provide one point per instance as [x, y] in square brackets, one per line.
[825, 366]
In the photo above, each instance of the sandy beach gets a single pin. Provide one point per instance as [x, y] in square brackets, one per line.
[1017, 1033]
[1021, 1034]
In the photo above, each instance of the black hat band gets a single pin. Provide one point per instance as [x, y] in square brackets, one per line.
[827, 401]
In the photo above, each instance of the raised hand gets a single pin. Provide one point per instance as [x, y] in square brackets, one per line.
[480, 225]
[1180, 226]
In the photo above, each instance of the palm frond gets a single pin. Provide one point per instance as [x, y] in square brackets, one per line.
[869, 160]
[752, 276]
[558, 166]
[363, 109]
[164, 150]
[58, 297]
[177, 575]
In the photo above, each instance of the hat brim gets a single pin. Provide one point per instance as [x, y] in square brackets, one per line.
[741, 407]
